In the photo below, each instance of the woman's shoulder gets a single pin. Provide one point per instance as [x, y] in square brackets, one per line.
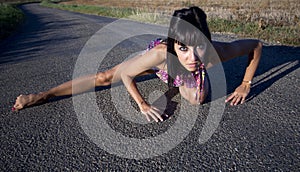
[223, 49]
[219, 46]
[160, 51]
[158, 54]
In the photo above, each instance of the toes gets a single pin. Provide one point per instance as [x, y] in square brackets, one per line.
[18, 104]
[14, 108]
[18, 107]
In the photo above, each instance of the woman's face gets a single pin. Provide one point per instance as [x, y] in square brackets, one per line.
[189, 56]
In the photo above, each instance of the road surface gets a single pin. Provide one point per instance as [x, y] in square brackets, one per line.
[260, 135]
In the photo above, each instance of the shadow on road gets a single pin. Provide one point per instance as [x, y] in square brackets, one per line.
[276, 63]
[33, 37]
[43, 32]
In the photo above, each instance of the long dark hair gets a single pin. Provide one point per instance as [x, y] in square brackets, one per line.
[187, 27]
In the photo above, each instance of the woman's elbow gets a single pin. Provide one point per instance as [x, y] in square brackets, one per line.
[258, 49]
[259, 45]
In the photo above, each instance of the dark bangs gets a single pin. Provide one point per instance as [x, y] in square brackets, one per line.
[188, 35]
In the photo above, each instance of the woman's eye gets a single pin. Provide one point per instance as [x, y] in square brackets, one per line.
[201, 46]
[183, 48]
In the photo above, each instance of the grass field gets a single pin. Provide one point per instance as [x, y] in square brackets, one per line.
[278, 12]
[274, 21]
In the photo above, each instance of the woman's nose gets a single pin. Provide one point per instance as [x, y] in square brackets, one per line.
[193, 55]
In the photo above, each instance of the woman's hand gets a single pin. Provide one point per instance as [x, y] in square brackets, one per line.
[239, 95]
[150, 112]
[227, 51]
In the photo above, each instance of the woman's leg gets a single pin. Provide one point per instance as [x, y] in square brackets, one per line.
[76, 86]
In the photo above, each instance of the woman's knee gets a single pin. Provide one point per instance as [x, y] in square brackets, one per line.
[103, 78]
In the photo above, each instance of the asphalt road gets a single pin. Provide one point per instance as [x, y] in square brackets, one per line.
[260, 135]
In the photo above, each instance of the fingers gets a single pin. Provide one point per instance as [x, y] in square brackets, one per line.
[148, 118]
[157, 113]
[153, 117]
[239, 95]
[243, 100]
[230, 97]
[154, 113]
[236, 99]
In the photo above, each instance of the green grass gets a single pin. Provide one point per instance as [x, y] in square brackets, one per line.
[96, 10]
[274, 34]
[10, 18]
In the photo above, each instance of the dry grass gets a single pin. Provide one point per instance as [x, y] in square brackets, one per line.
[268, 12]
[274, 21]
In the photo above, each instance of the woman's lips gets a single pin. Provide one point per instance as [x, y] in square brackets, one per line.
[192, 65]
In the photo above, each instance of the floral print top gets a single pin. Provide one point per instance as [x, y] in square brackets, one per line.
[193, 80]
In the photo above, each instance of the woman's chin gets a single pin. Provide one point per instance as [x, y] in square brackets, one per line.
[191, 69]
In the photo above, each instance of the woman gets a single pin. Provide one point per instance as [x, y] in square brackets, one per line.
[180, 60]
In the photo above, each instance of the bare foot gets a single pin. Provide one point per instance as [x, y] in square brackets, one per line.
[23, 101]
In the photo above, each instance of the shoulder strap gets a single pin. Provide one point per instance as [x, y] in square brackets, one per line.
[153, 43]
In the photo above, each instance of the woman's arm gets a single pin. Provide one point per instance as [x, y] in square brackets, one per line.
[136, 66]
[238, 48]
